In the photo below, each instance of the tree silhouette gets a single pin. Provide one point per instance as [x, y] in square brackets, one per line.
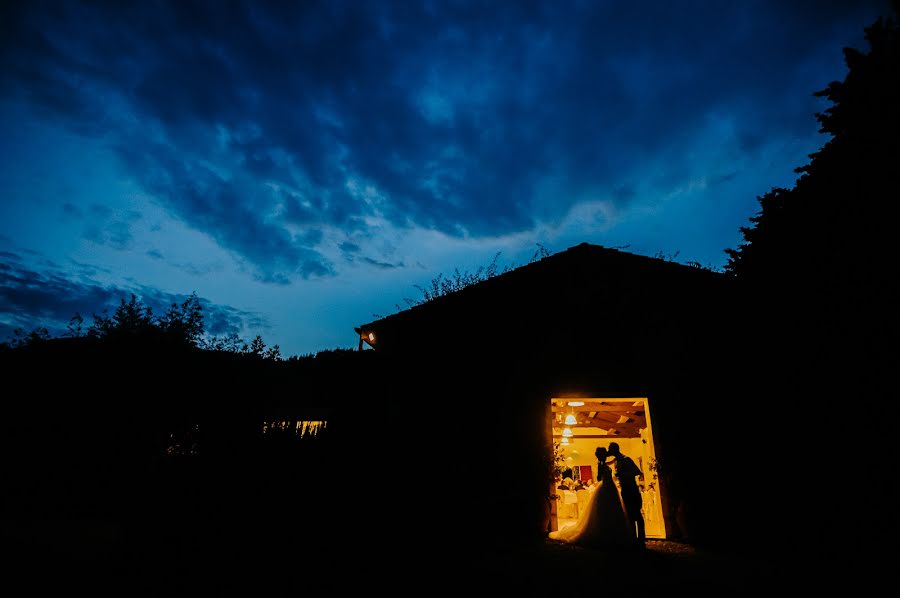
[229, 343]
[837, 224]
[131, 318]
[75, 328]
[21, 338]
[184, 321]
[258, 347]
[816, 312]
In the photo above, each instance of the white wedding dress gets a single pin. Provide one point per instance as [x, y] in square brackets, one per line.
[603, 523]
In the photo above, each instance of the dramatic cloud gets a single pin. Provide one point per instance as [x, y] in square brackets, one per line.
[315, 161]
[49, 298]
[105, 227]
[281, 129]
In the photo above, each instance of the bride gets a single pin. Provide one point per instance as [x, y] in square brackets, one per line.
[603, 522]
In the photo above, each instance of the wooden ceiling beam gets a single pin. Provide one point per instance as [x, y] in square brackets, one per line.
[620, 427]
[606, 417]
[598, 424]
[587, 407]
[607, 436]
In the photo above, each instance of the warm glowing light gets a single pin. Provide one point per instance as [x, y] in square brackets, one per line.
[371, 337]
[570, 420]
[576, 403]
[301, 428]
[567, 432]
[565, 440]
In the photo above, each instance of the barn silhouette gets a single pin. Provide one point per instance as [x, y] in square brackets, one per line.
[477, 384]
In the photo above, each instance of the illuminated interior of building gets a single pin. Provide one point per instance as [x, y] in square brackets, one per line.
[581, 425]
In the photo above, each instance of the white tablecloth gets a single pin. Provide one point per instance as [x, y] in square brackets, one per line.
[569, 497]
[567, 504]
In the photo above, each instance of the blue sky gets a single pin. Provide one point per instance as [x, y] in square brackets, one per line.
[302, 165]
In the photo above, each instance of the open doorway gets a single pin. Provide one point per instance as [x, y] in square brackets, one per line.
[580, 425]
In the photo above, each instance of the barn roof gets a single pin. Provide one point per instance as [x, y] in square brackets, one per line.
[592, 268]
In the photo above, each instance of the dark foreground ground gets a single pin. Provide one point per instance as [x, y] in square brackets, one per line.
[166, 560]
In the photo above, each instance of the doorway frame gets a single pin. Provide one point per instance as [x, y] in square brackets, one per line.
[659, 514]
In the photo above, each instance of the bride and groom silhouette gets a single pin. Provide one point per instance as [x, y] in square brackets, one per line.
[610, 519]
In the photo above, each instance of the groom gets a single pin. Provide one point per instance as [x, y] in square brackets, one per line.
[626, 472]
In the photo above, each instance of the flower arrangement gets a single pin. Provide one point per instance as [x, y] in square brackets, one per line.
[559, 460]
[555, 461]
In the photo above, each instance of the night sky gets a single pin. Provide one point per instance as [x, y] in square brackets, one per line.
[301, 166]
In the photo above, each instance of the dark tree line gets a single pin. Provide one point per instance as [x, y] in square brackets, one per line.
[820, 262]
[815, 317]
[181, 324]
[839, 221]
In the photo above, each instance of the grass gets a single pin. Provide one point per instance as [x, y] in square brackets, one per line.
[181, 559]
